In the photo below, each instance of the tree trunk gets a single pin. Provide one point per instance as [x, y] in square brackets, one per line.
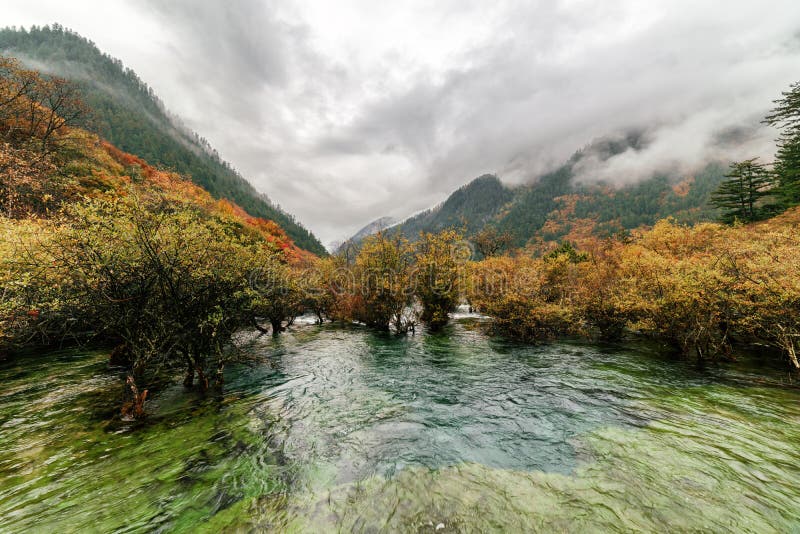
[791, 350]
[202, 378]
[259, 327]
[188, 381]
[219, 379]
[785, 341]
[277, 326]
[134, 407]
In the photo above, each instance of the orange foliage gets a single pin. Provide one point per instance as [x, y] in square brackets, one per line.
[177, 188]
[95, 168]
[561, 222]
[123, 157]
[271, 231]
[697, 288]
[682, 188]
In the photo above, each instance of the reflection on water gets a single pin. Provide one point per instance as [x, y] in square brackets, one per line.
[344, 429]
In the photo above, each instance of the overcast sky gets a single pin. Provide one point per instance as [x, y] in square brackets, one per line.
[344, 111]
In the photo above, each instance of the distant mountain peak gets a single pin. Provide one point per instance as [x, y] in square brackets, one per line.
[374, 227]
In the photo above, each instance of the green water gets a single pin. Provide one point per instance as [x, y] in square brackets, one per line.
[340, 429]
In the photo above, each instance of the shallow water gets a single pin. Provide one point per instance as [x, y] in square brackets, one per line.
[344, 429]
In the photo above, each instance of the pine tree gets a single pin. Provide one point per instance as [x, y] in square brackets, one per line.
[740, 195]
[786, 117]
[787, 169]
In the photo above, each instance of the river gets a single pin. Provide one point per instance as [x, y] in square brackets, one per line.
[343, 429]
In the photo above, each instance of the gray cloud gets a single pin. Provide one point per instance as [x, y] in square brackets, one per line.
[343, 112]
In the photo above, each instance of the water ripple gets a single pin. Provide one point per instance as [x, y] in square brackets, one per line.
[345, 429]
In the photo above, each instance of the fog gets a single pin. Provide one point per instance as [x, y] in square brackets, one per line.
[343, 112]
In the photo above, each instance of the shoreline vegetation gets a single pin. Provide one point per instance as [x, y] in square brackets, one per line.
[98, 247]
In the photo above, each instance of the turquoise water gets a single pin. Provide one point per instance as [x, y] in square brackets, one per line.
[342, 429]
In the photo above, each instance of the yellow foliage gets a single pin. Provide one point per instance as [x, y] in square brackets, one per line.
[698, 288]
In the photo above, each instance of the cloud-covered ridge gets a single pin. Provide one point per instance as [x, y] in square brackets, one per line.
[347, 111]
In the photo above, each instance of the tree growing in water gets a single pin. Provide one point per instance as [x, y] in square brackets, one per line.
[440, 266]
[383, 282]
[276, 292]
[166, 281]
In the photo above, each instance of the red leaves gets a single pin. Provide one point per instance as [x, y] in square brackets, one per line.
[271, 231]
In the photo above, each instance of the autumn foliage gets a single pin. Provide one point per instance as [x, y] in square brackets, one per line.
[701, 289]
[96, 245]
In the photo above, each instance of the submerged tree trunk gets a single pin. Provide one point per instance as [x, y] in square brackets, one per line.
[787, 343]
[188, 380]
[259, 327]
[219, 379]
[133, 408]
[277, 326]
[202, 378]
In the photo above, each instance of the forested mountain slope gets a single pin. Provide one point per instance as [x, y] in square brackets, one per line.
[556, 206]
[127, 113]
[469, 208]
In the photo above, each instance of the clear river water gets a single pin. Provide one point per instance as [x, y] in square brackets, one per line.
[343, 429]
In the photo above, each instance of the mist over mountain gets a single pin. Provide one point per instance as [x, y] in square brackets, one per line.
[127, 112]
[339, 110]
[574, 201]
[369, 229]
[375, 226]
[618, 182]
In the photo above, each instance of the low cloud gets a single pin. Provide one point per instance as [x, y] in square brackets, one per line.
[347, 111]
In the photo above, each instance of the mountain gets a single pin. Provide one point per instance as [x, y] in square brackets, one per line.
[38, 185]
[469, 208]
[129, 115]
[374, 227]
[556, 207]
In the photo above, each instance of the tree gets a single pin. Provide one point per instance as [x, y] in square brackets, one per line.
[166, 281]
[786, 117]
[60, 106]
[15, 84]
[568, 250]
[518, 294]
[676, 287]
[277, 295]
[740, 195]
[322, 285]
[440, 269]
[32, 105]
[490, 242]
[599, 291]
[383, 282]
